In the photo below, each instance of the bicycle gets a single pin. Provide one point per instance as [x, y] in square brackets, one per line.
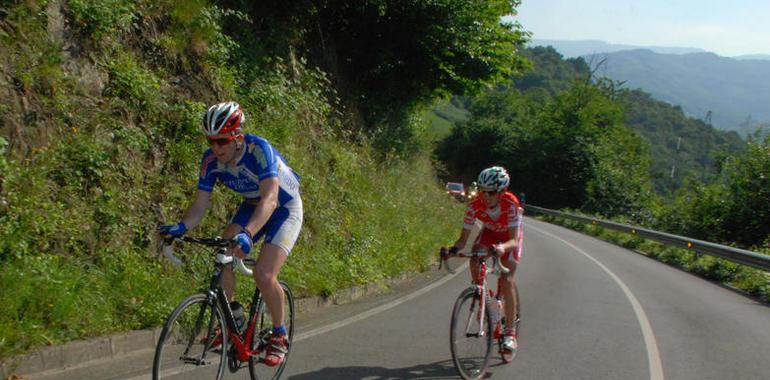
[478, 318]
[192, 336]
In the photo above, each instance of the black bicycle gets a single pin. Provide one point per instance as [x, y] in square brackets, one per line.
[202, 333]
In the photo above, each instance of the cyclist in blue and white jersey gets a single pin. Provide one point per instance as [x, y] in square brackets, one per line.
[272, 207]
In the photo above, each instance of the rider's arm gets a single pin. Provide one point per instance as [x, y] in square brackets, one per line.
[463, 238]
[512, 244]
[514, 226]
[197, 209]
[468, 223]
[268, 202]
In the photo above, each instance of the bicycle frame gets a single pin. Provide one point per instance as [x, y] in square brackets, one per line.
[203, 329]
[239, 339]
[482, 289]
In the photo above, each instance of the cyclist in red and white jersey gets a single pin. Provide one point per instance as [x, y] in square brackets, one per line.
[500, 212]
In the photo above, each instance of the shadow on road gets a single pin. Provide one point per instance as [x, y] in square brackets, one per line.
[433, 371]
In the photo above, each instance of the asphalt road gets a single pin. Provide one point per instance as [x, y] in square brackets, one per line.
[590, 310]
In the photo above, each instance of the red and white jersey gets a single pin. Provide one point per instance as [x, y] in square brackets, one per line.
[497, 221]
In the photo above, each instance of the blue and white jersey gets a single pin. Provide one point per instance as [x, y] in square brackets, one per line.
[259, 161]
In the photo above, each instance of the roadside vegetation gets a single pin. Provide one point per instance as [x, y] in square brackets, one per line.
[99, 143]
[573, 141]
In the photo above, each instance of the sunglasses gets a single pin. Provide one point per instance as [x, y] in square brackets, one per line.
[489, 192]
[221, 141]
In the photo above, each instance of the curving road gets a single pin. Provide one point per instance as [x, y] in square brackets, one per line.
[591, 310]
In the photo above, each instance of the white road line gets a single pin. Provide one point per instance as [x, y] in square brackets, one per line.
[347, 321]
[358, 317]
[379, 309]
[308, 334]
[653, 355]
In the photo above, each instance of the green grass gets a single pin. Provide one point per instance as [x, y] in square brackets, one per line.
[437, 127]
[449, 111]
[441, 118]
[82, 192]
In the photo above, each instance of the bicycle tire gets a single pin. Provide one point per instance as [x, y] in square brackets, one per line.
[264, 325]
[471, 363]
[192, 328]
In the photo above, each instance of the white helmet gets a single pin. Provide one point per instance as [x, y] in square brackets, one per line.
[223, 119]
[495, 178]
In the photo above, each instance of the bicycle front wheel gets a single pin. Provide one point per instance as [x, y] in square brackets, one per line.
[192, 340]
[264, 326]
[470, 336]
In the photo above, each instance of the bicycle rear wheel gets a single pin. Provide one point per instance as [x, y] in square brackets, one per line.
[190, 340]
[264, 326]
[470, 345]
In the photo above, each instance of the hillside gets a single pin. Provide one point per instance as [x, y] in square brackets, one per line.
[765, 57]
[101, 103]
[680, 146]
[579, 48]
[735, 92]
[662, 125]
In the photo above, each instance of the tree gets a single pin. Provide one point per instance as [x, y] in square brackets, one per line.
[386, 57]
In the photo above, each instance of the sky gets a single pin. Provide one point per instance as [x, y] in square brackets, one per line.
[726, 27]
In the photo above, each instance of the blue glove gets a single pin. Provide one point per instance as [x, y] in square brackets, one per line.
[174, 230]
[244, 241]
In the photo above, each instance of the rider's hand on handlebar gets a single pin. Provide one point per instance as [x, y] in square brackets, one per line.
[445, 253]
[173, 230]
[243, 245]
[498, 249]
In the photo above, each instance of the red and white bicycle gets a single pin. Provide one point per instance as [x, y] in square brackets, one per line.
[478, 318]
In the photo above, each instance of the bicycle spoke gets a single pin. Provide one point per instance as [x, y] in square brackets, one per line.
[189, 336]
[470, 336]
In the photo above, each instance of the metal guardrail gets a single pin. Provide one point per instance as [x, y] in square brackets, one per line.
[737, 255]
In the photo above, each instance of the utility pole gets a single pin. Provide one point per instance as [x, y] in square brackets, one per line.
[678, 145]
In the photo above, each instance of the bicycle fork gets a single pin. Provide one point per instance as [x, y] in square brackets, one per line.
[209, 339]
[481, 292]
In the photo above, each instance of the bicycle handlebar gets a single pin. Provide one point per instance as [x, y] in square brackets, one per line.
[168, 251]
[446, 254]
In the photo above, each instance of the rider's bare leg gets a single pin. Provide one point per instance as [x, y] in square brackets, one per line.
[509, 293]
[269, 264]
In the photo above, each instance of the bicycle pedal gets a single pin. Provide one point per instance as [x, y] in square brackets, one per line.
[196, 361]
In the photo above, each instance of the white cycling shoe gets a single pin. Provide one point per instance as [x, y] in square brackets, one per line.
[510, 344]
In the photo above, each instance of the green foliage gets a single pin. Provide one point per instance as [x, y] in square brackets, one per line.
[388, 58]
[592, 160]
[33, 71]
[550, 73]
[78, 210]
[193, 33]
[689, 145]
[131, 83]
[732, 209]
[102, 19]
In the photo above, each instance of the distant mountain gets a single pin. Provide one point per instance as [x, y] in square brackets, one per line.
[765, 57]
[736, 93]
[577, 48]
